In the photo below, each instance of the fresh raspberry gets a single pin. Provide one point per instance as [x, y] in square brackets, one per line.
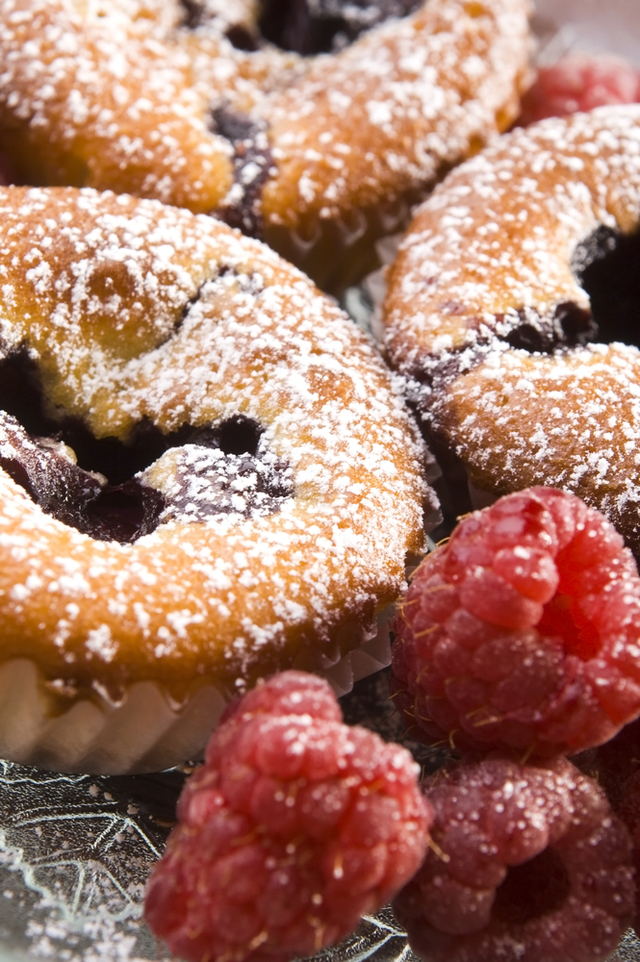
[527, 864]
[522, 631]
[580, 82]
[293, 828]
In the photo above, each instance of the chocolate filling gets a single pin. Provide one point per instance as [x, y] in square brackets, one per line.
[108, 493]
[325, 26]
[252, 165]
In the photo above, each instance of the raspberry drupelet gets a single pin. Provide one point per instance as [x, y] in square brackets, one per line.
[527, 864]
[294, 827]
[523, 631]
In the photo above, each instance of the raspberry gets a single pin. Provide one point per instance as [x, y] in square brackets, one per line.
[523, 631]
[528, 864]
[580, 82]
[293, 828]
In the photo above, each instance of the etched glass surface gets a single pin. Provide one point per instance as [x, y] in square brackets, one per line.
[76, 850]
[75, 853]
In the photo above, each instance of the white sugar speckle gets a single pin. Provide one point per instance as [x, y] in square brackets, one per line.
[146, 314]
[485, 295]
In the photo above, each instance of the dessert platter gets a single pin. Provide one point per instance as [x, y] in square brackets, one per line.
[217, 465]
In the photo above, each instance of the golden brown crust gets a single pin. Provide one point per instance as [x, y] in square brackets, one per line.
[394, 110]
[485, 311]
[105, 106]
[121, 96]
[571, 420]
[137, 313]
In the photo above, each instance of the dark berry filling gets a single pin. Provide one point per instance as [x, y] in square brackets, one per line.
[195, 15]
[304, 26]
[325, 26]
[79, 498]
[21, 397]
[252, 164]
[570, 326]
[104, 493]
[607, 266]
[226, 470]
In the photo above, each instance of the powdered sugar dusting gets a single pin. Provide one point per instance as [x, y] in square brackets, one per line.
[95, 96]
[199, 481]
[572, 419]
[122, 95]
[492, 254]
[152, 314]
[389, 112]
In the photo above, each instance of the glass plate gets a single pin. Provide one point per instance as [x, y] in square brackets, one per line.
[76, 850]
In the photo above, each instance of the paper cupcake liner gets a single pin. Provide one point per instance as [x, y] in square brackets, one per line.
[144, 732]
[339, 253]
